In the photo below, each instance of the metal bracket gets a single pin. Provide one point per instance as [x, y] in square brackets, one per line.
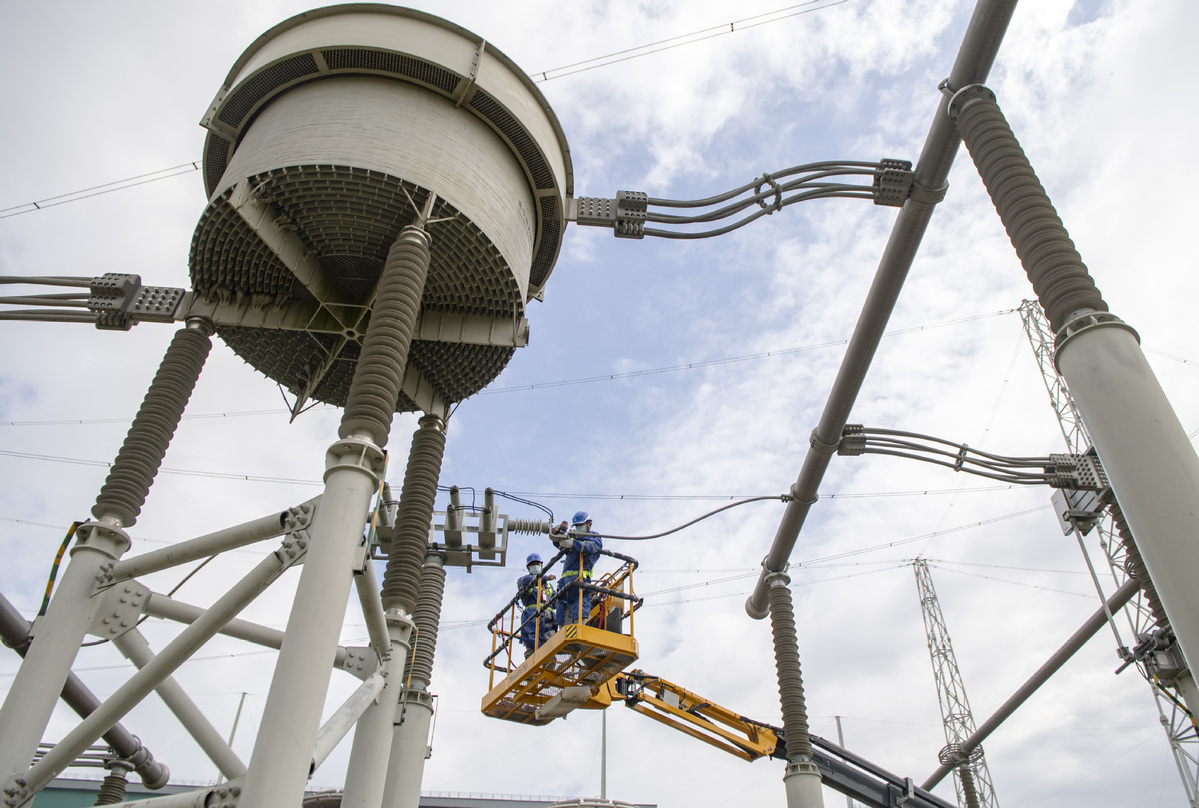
[852, 444]
[120, 609]
[1076, 472]
[893, 182]
[626, 214]
[120, 302]
[360, 662]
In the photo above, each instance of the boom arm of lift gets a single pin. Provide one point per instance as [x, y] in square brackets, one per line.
[840, 770]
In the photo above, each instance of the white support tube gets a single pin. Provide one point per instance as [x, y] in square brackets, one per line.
[144, 681]
[266, 527]
[57, 635]
[135, 648]
[409, 749]
[367, 585]
[1149, 461]
[371, 751]
[347, 715]
[199, 798]
[165, 607]
[801, 783]
[287, 732]
[170, 609]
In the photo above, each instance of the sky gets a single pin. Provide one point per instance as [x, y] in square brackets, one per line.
[661, 380]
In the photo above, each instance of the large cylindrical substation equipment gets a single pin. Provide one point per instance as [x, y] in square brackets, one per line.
[340, 137]
[325, 139]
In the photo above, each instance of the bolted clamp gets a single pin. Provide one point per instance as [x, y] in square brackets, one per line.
[625, 214]
[120, 302]
[893, 181]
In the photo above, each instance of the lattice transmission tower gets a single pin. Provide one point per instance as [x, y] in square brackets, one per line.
[971, 777]
[1154, 651]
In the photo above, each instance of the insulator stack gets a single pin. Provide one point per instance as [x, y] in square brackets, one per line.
[136, 465]
[786, 660]
[427, 619]
[1060, 278]
[401, 581]
[532, 526]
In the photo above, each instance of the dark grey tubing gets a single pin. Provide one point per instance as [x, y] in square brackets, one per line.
[427, 619]
[14, 630]
[128, 484]
[977, 53]
[401, 581]
[786, 661]
[371, 400]
[1136, 567]
[1054, 267]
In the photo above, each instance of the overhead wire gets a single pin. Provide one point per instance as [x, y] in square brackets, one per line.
[559, 72]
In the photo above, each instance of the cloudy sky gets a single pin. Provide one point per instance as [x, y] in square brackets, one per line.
[690, 411]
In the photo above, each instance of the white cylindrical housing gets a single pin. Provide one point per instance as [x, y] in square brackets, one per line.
[325, 139]
[409, 748]
[1149, 460]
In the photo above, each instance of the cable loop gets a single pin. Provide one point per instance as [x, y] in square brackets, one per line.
[766, 179]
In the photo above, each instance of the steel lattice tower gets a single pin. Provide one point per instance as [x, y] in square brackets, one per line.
[971, 777]
[1175, 718]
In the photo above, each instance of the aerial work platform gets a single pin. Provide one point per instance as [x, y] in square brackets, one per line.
[571, 670]
[576, 665]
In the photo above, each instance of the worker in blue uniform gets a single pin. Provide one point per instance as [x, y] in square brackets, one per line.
[581, 548]
[532, 592]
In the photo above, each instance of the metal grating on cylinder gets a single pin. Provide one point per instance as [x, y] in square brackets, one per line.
[550, 242]
[389, 62]
[254, 89]
[349, 217]
[490, 109]
[216, 157]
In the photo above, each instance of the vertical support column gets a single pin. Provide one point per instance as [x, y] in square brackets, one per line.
[1149, 461]
[58, 633]
[802, 778]
[282, 752]
[410, 739]
[371, 749]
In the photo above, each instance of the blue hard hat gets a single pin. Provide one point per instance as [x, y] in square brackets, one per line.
[580, 518]
[532, 557]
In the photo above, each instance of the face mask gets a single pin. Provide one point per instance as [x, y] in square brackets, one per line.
[534, 569]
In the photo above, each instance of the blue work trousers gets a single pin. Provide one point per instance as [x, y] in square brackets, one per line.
[569, 607]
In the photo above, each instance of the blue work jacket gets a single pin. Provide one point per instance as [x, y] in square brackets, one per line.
[580, 557]
[526, 589]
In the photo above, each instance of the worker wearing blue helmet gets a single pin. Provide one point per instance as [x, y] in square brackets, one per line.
[582, 548]
[532, 592]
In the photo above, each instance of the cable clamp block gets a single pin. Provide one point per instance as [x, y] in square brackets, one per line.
[893, 181]
[852, 444]
[631, 210]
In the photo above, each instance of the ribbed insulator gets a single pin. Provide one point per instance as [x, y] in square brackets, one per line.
[786, 662]
[128, 483]
[401, 581]
[529, 526]
[1056, 270]
[969, 790]
[419, 671]
[112, 790]
[1135, 566]
[375, 390]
